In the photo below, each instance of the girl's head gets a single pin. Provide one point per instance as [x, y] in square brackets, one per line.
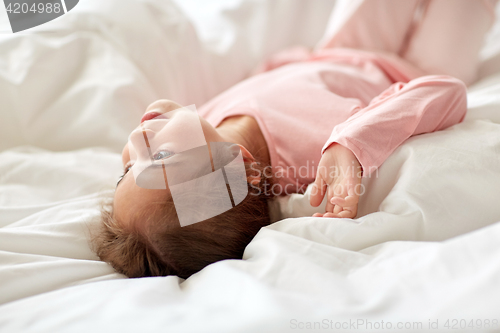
[141, 234]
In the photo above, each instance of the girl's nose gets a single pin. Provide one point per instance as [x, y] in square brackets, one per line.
[139, 140]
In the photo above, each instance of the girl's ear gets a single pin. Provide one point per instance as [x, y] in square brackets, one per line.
[247, 157]
[246, 154]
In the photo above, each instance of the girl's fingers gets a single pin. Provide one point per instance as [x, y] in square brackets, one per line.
[347, 214]
[351, 200]
[353, 211]
[338, 201]
[342, 214]
[342, 200]
[345, 202]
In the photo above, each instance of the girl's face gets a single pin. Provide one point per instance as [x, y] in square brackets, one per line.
[157, 141]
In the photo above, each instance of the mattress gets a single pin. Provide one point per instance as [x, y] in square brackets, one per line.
[422, 252]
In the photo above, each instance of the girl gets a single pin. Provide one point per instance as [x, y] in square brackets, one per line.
[340, 110]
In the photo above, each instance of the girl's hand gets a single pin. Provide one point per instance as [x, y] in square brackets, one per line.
[339, 175]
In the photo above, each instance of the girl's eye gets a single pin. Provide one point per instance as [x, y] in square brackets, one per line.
[127, 168]
[162, 154]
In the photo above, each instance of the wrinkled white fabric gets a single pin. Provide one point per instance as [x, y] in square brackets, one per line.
[425, 245]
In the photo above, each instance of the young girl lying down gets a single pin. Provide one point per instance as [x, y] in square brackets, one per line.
[346, 107]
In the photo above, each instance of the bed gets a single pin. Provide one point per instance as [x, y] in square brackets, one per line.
[423, 252]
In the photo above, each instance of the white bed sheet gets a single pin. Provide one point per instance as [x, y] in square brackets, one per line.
[425, 245]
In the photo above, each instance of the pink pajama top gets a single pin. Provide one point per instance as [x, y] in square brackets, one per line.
[368, 102]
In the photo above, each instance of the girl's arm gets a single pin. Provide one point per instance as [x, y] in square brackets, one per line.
[423, 105]
[371, 134]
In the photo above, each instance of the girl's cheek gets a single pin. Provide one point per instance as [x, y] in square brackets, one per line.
[125, 154]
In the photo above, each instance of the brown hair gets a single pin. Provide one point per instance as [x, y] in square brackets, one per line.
[156, 244]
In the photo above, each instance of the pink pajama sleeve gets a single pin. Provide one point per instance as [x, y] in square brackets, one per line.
[423, 105]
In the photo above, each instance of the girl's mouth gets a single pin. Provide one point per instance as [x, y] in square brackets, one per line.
[150, 115]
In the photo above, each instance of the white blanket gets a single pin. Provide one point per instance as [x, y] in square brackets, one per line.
[424, 248]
